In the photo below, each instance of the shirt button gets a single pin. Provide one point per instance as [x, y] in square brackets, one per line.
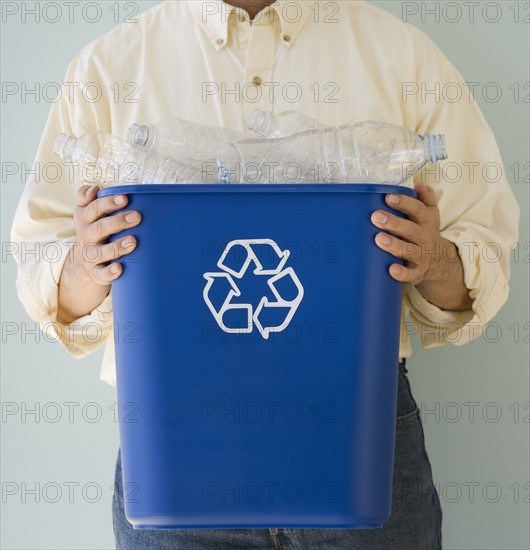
[220, 42]
[257, 81]
[286, 38]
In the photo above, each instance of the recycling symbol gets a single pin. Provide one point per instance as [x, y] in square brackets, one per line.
[224, 283]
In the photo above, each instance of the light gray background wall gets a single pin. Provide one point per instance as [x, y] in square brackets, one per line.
[481, 464]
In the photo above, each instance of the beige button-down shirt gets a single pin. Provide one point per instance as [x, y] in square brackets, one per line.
[338, 62]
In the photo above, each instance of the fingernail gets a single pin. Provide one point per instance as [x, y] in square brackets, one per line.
[397, 269]
[379, 217]
[393, 199]
[119, 199]
[126, 243]
[384, 239]
[131, 217]
[114, 268]
[89, 190]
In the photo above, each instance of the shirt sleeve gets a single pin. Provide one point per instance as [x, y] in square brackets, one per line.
[43, 229]
[478, 210]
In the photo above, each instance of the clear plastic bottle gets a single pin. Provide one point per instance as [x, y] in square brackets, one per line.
[104, 159]
[266, 125]
[181, 139]
[367, 152]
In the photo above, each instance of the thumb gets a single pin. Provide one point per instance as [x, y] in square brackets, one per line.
[425, 194]
[86, 194]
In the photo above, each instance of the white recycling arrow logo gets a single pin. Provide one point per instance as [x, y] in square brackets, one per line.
[278, 273]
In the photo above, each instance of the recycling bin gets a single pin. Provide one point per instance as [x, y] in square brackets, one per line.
[257, 336]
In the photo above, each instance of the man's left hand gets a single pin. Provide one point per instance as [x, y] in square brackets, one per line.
[432, 263]
[416, 240]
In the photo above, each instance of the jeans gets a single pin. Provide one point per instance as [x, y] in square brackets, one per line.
[415, 522]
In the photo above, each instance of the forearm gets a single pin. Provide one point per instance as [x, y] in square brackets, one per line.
[443, 284]
[78, 293]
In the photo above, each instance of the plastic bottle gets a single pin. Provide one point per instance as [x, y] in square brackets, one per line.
[367, 152]
[104, 159]
[181, 139]
[266, 125]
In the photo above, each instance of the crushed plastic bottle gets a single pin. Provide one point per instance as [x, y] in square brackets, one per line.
[104, 159]
[366, 152]
[182, 139]
[266, 125]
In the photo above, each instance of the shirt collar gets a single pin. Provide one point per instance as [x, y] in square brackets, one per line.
[213, 15]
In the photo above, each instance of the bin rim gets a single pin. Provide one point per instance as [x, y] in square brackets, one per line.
[257, 188]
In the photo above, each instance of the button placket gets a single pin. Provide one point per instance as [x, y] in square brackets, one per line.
[259, 69]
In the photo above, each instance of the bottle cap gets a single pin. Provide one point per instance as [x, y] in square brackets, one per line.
[259, 122]
[143, 135]
[437, 147]
[64, 145]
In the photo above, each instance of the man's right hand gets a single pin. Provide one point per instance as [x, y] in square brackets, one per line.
[91, 265]
[94, 226]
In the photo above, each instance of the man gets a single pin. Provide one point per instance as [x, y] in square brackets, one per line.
[338, 62]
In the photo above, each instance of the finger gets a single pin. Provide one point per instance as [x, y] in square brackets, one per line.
[99, 208]
[103, 228]
[112, 251]
[406, 229]
[426, 194]
[105, 274]
[411, 207]
[95, 254]
[86, 194]
[409, 273]
[398, 248]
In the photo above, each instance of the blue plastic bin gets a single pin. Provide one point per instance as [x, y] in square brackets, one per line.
[257, 335]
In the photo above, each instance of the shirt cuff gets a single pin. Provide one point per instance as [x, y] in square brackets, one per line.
[38, 289]
[84, 335]
[488, 288]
